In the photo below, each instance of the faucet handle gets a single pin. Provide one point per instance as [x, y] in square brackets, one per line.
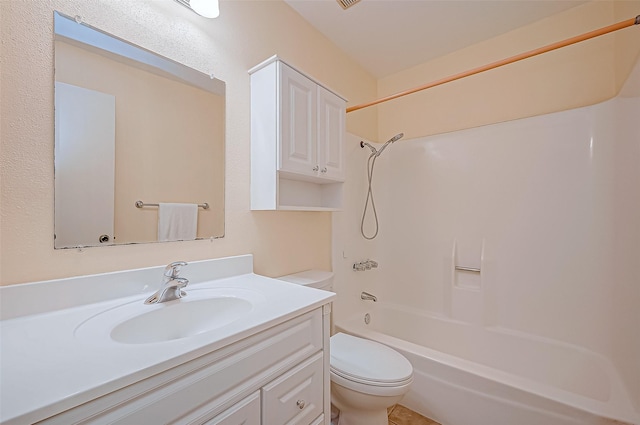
[181, 281]
[358, 267]
[173, 269]
[178, 283]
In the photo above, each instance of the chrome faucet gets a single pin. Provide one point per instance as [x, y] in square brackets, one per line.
[368, 297]
[171, 288]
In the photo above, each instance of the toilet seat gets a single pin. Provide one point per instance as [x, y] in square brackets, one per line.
[368, 363]
[368, 389]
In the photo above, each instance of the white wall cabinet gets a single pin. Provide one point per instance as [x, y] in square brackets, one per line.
[297, 135]
[280, 375]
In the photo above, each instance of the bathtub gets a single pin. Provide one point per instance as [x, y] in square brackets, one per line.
[473, 375]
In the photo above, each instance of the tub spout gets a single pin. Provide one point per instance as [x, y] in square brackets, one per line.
[368, 297]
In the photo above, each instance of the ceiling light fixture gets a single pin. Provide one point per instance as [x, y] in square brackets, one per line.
[205, 8]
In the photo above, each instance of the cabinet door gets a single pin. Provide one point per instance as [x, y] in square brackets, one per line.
[331, 129]
[245, 412]
[297, 396]
[298, 152]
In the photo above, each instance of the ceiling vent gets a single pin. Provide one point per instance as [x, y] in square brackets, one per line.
[347, 3]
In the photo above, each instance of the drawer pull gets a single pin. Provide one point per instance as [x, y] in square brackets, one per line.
[300, 404]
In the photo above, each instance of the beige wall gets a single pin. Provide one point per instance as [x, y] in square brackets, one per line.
[627, 42]
[246, 33]
[574, 76]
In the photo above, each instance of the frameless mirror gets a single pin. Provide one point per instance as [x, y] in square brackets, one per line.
[133, 131]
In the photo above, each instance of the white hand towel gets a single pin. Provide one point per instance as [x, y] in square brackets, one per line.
[177, 222]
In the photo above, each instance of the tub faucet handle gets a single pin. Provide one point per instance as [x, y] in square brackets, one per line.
[365, 265]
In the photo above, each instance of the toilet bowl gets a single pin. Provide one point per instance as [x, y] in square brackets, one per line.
[366, 379]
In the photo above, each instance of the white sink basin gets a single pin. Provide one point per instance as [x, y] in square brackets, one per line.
[200, 311]
[180, 320]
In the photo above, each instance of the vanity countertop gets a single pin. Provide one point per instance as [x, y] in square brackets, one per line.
[48, 366]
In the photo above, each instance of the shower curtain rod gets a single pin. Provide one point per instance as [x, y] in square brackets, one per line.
[512, 59]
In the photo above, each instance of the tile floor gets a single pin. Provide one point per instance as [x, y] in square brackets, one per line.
[400, 415]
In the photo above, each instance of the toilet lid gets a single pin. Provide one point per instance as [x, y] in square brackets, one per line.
[366, 361]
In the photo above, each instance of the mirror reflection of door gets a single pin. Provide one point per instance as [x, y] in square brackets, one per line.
[84, 166]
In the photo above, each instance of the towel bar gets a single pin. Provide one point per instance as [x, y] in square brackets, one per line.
[140, 204]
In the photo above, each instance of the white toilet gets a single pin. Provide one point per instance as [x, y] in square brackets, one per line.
[366, 377]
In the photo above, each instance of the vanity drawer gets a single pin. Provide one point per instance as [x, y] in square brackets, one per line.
[246, 412]
[295, 397]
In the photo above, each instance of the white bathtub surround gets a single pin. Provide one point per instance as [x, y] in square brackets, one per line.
[58, 353]
[546, 209]
[498, 373]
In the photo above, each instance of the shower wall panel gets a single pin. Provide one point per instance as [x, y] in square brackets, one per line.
[528, 202]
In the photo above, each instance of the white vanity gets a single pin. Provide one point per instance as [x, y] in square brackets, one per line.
[238, 349]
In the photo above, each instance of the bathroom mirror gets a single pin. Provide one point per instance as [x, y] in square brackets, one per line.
[132, 130]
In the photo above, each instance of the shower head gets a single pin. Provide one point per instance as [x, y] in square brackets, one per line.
[393, 139]
[396, 138]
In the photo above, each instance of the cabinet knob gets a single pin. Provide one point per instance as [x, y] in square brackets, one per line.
[324, 170]
[300, 404]
[316, 168]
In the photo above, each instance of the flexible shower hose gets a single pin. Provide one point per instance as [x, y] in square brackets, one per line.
[370, 166]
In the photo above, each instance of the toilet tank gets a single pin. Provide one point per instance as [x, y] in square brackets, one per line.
[319, 279]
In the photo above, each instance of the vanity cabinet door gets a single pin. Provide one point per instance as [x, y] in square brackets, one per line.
[295, 397]
[246, 412]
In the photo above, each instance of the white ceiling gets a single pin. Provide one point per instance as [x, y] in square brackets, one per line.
[387, 36]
